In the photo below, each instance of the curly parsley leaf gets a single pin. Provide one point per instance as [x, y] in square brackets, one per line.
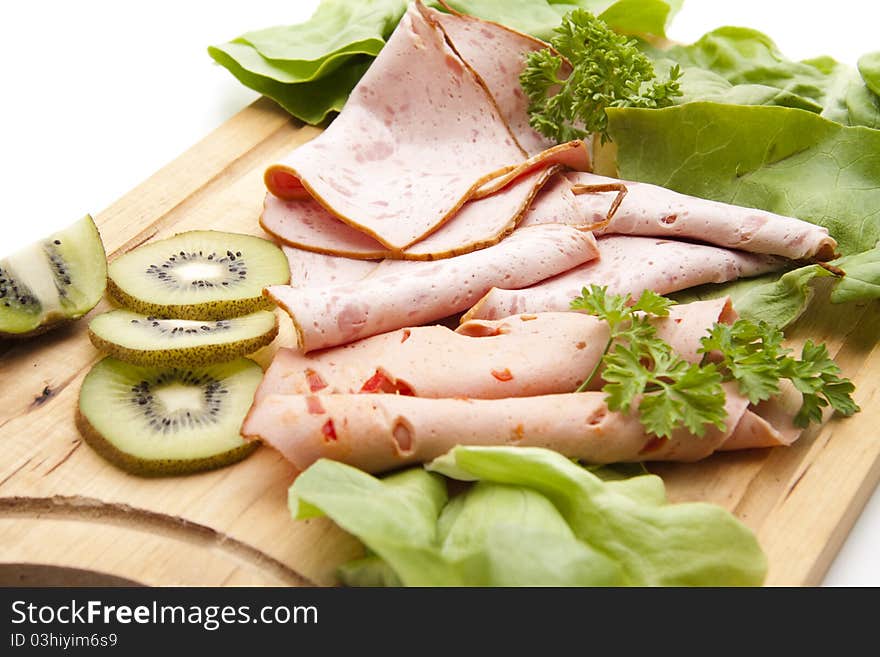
[642, 369]
[752, 355]
[640, 366]
[591, 68]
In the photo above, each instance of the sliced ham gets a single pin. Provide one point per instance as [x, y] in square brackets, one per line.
[413, 143]
[654, 211]
[309, 269]
[519, 356]
[305, 224]
[422, 292]
[497, 54]
[629, 265]
[382, 432]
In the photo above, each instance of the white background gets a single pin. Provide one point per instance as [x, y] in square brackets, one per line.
[98, 94]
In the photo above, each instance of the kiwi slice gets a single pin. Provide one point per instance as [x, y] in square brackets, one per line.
[153, 421]
[202, 274]
[154, 342]
[52, 280]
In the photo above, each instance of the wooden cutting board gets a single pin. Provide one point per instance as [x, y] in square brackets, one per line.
[67, 516]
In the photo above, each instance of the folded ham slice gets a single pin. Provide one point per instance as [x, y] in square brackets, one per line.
[382, 432]
[414, 293]
[497, 54]
[305, 224]
[629, 265]
[413, 143]
[519, 356]
[309, 269]
[654, 211]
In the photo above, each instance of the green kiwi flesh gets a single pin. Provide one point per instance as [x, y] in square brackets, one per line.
[59, 278]
[198, 275]
[155, 421]
[153, 342]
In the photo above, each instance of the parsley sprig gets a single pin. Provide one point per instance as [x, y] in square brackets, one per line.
[752, 354]
[672, 392]
[591, 68]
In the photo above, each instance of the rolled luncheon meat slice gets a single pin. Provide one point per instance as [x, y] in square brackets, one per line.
[382, 432]
[629, 265]
[412, 293]
[412, 144]
[649, 210]
[519, 356]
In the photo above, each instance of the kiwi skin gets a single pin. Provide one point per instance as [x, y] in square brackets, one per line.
[210, 310]
[42, 328]
[188, 357]
[158, 467]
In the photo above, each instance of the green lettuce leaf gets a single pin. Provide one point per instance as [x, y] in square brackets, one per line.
[738, 65]
[654, 544]
[311, 68]
[777, 300]
[532, 518]
[310, 102]
[396, 517]
[869, 67]
[779, 159]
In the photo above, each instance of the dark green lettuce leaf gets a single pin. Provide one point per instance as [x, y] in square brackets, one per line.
[310, 102]
[783, 160]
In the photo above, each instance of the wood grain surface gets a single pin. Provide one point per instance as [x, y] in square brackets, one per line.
[64, 509]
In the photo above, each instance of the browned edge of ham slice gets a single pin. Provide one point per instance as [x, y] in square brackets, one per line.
[304, 224]
[420, 292]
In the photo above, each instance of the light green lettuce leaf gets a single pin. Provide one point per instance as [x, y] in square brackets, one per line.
[654, 544]
[489, 535]
[777, 300]
[862, 280]
[369, 571]
[534, 518]
[396, 518]
[779, 159]
[498, 535]
[757, 73]
[645, 18]
[869, 67]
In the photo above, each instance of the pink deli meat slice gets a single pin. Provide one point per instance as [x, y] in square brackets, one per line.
[305, 224]
[420, 292]
[519, 356]
[629, 265]
[412, 145]
[650, 210]
[497, 54]
[381, 432]
[310, 269]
